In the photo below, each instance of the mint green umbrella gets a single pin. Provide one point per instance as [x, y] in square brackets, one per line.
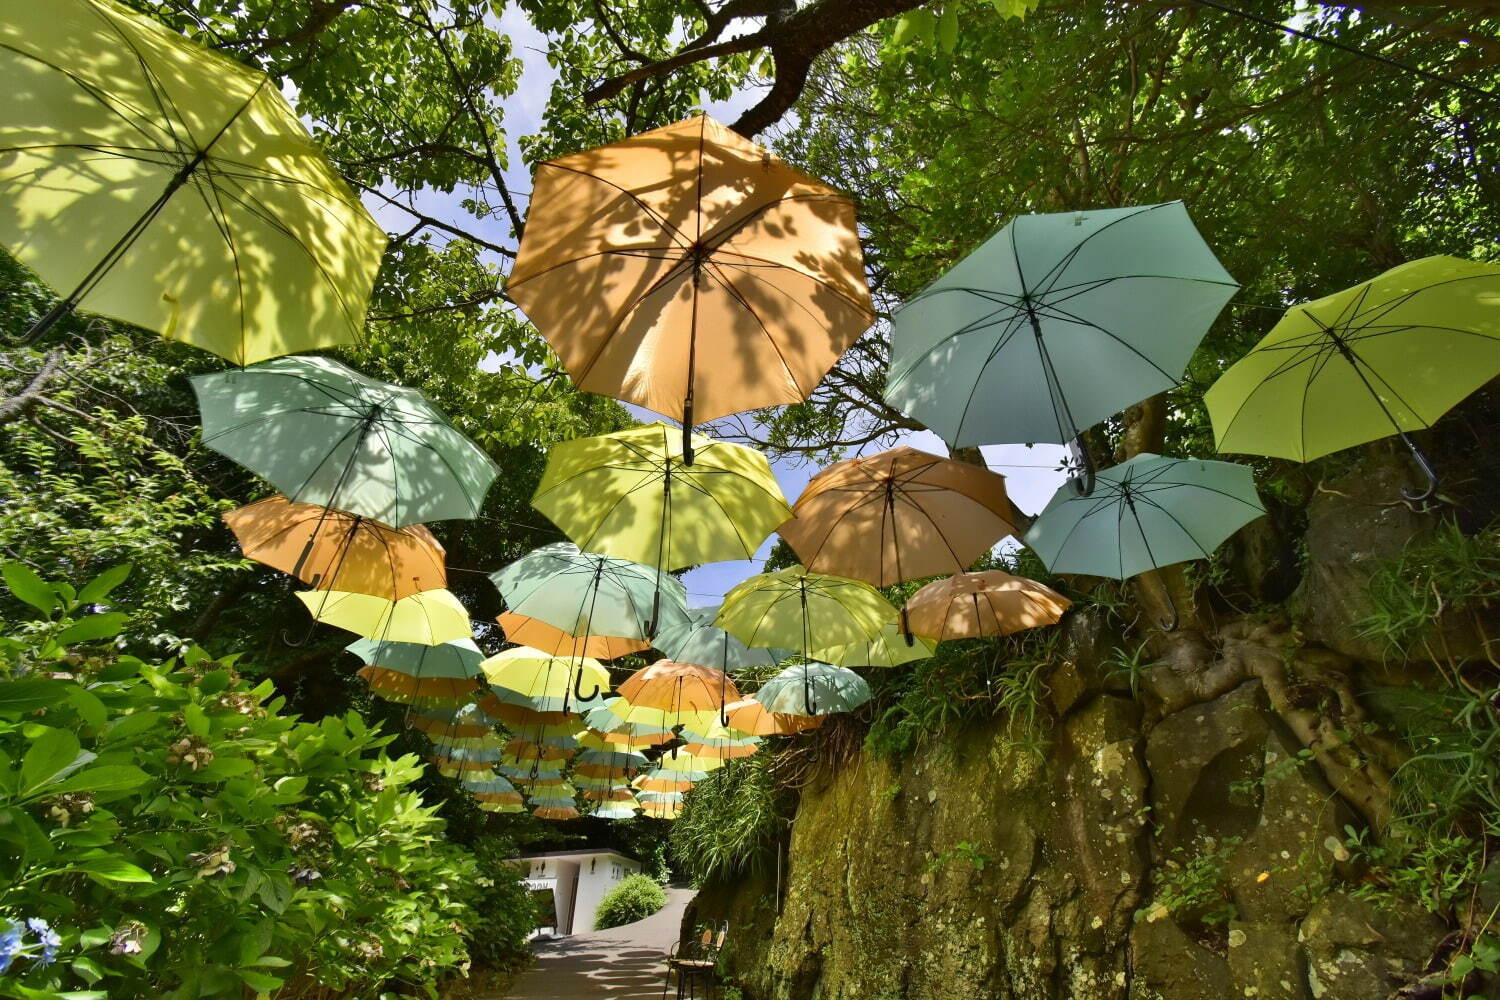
[813, 689]
[695, 639]
[1056, 323]
[1144, 514]
[585, 594]
[459, 658]
[323, 433]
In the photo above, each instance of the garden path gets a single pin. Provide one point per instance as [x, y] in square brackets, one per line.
[622, 963]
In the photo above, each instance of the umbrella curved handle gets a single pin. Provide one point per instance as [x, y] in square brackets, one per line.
[578, 689]
[1169, 624]
[1083, 483]
[1427, 470]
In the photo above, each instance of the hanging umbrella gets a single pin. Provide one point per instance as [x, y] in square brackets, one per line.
[615, 760]
[557, 811]
[471, 758]
[661, 810]
[429, 618]
[695, 639]
[690, 271]
[537, 634]
[393, 685]
[659, 781]
[324, 434]
[750, 716]
[680, 762]
[630, 494]
[1147, 513]
[332, 550]
[899, 515]
[154, 181]
[584, 593]
[652, 717]
[679, 688]
[614, 793]
[971, 605]
[617, 808]
[890, 648]
[660, 798]
[1388, 356]
[813, 689]
[795, 608]
[467, 722]
[459, 658]
[520, 712]
[719, 742]
[549, 683]
[525, 749]
[1056, 323]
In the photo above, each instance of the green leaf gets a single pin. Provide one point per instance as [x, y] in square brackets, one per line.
[222, 767]
[947, 29]
[109, 868]
[52, 756]
[17, 827]
[131, 725]
[29, 587]
[89, 707]
[91, 628]
[260, 981]
[197, 720]
[99, 587]
[105, 778]
[23, 696]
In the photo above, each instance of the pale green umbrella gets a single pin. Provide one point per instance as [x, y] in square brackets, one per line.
[458, 659]
[813, 689]
[584, 593]
[888, 649]
[1056, 323]
[1390, 355]
[1144, 514]
[323, 433]
[695, 639]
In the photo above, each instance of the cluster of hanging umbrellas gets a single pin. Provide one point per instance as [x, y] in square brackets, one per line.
[691, 272]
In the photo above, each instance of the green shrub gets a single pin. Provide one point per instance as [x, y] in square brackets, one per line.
[635, 898]
[176, 837]
[731, 821]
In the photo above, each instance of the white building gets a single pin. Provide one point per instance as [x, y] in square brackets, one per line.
[577, 880]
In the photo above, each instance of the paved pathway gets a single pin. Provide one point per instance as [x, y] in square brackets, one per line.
[623, 963]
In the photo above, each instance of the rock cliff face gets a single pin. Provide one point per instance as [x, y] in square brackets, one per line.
[1182, 841]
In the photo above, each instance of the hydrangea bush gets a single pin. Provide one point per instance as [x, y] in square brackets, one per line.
[165, 832]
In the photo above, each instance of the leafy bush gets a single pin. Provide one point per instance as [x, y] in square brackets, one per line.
[731, 821]
[178, 838]
[635, 898]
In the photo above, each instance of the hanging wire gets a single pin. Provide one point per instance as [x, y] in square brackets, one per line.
[1334, 43]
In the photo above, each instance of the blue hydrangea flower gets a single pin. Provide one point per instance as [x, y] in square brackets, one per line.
[10, 943]
[48, 938]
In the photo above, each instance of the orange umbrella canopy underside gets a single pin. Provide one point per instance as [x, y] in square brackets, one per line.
[690, 255]
[553, 641]
[972, 605]
[750, 716]
[334, 550]
[930, 515]
[679, 687]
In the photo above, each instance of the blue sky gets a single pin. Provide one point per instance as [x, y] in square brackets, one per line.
[1030, 472]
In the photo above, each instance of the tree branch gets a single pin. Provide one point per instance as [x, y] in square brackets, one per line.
[17, 404]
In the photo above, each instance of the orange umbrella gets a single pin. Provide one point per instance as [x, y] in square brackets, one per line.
[333, 550]
[519, 716]
[750, 716]
[555, 812]
[970, 605]
[537, 634]
[658, 783]
[930, 515]
[679, 687]
[690, 271]
[393, 685]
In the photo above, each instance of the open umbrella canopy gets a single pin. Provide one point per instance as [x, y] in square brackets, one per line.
[584, 593]
[459, 658]
[557, 810]
[679, 688]
[695, 639]
[429, 618]
[537, 634]
[616, 759]
[991, 603]
[798, 609]
[520, 712]
[607, 719]
[682, 762]
[750, 716]
[393, 685]
[900, 515]
[1390, 355]
[888, 649]
[322, 433]
[149, 179]
[661, 810]
[661, 781]
[467, 722]
[690, 271]
[659, 797]
[550, 683]
[471, 755]
[333, 550]
[525, 749]
[630, 494]
[1146, 513]
[1055, 323]
[719, 742]
[813, 689]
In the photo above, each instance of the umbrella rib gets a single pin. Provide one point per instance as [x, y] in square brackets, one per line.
[744, 304]
[221, 221]
[137, 119]
[1071, 318]
[646, 209]
[1180, 526]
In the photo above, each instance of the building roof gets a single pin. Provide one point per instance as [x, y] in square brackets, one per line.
[584, 853]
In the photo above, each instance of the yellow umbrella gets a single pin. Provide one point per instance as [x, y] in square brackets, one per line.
[550, 683]
[430, 617]
[690, 271]
[157, 182]
[888, 649]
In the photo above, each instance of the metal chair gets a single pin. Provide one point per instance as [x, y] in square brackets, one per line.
[699, 960]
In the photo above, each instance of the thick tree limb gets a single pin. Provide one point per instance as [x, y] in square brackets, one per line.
[17, 404]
